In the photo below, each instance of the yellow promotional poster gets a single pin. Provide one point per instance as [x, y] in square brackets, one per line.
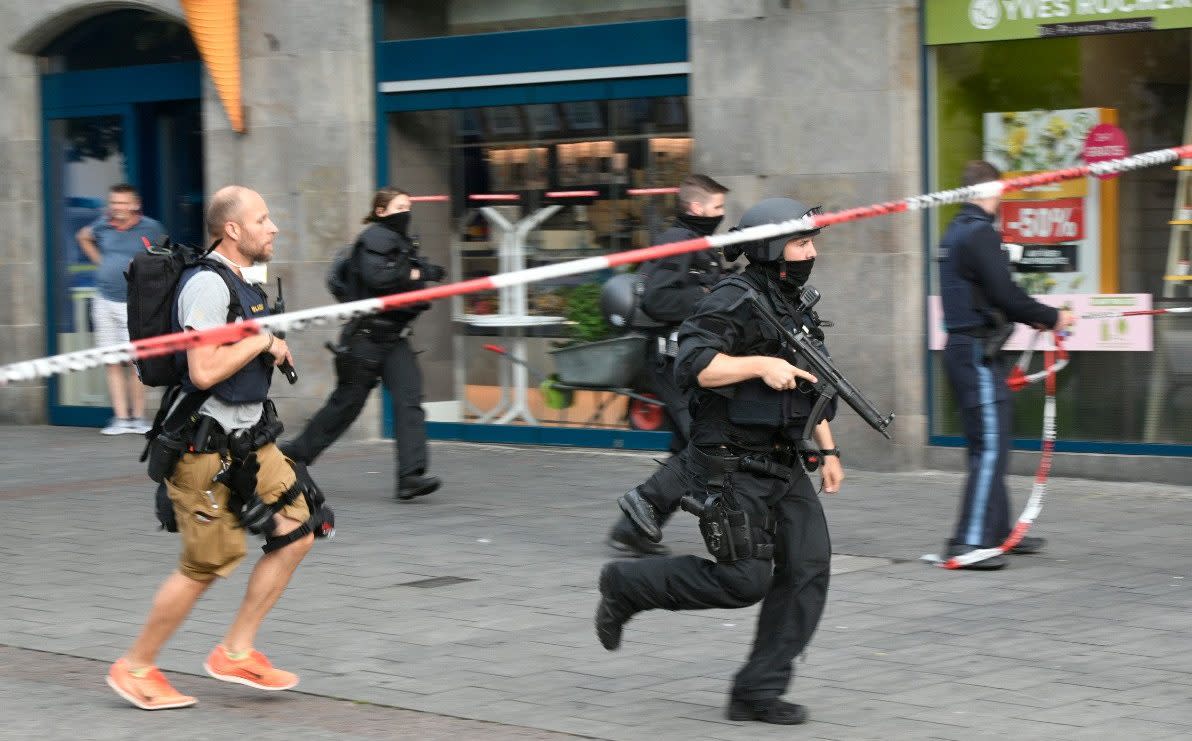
[1067, 231]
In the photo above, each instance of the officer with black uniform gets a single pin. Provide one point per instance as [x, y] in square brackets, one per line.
[981, 304]
[671, 287]
[384, 261]
[759, 511]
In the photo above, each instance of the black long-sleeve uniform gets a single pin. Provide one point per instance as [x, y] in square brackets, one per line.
[375, 348]
[793, 584]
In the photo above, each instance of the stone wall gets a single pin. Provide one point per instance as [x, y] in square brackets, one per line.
[820, 99]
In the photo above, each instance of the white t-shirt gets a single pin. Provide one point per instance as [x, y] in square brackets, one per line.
[203, 303]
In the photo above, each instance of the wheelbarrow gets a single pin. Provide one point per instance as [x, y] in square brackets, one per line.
[607, 366]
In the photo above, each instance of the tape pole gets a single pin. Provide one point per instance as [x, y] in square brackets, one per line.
[297, 320]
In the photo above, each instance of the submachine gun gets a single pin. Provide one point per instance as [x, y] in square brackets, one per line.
[830, 382]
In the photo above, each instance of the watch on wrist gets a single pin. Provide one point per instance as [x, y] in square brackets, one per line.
[831, 451]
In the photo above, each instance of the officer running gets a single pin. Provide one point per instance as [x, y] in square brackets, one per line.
[671, 287]
[384, 261]
[233, 478]
[760, 515]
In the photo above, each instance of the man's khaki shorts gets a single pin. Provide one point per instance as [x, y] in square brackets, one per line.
[213, 543]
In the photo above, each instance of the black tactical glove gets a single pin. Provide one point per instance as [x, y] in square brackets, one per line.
[433, 273]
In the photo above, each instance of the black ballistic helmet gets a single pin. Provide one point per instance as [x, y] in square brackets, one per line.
[770, 211]
[620, 302]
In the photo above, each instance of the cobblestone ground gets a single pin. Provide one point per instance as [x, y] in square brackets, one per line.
[1090, 640]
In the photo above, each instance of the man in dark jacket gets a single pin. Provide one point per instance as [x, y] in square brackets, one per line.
[981, 302]
[385, 260]
[671, 288]
[760, 514]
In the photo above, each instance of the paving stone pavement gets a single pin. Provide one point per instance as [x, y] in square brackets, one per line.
[1090, 640]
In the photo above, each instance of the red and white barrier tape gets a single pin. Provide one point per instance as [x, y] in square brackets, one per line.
[1137, 312]
[1053, 362]
[297, 320]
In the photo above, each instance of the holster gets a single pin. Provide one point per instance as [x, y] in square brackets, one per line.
[353, 370]
[164, 452]
[728, 532]
[171, 433]
[992, 336]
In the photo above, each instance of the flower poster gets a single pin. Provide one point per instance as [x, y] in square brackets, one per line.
[1067, 230]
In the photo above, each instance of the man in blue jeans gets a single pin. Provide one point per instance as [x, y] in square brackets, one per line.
[110, 242]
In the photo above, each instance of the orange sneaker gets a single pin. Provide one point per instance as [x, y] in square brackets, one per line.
[253, 670]
[148, 691]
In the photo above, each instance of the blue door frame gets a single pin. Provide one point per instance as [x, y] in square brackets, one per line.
[525, 51]
[102, 92]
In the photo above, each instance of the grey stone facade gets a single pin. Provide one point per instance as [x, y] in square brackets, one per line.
[820, 99]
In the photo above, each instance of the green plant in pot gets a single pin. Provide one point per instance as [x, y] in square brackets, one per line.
[586, 322]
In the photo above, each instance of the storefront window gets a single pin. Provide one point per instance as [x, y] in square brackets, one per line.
[1028, 105]
[534, 185]
[407, 19]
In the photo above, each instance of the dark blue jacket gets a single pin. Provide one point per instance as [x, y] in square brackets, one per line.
[975, 276]
[250, 383]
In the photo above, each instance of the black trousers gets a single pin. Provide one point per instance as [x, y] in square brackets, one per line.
[793, 587]
[667, 485]
[367, 360]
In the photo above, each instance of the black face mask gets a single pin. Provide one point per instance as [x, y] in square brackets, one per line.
[796, 272]
[398, 222]
[701, 225]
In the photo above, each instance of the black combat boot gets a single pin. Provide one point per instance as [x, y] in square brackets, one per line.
[777, 712]
[418, 485]
[626, 538]
[611, 613]
[642, 514]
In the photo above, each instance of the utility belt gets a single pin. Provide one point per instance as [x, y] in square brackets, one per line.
[187, 431]
[728, 531]
[209, 436]
[779, 463]
[992, 336]
[382, 329]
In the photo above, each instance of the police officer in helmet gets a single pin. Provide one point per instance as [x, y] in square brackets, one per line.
[759, 510]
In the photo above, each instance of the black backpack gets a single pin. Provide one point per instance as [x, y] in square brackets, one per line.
[343, 280]
[153, 277]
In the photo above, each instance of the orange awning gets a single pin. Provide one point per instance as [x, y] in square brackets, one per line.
[215, 26]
